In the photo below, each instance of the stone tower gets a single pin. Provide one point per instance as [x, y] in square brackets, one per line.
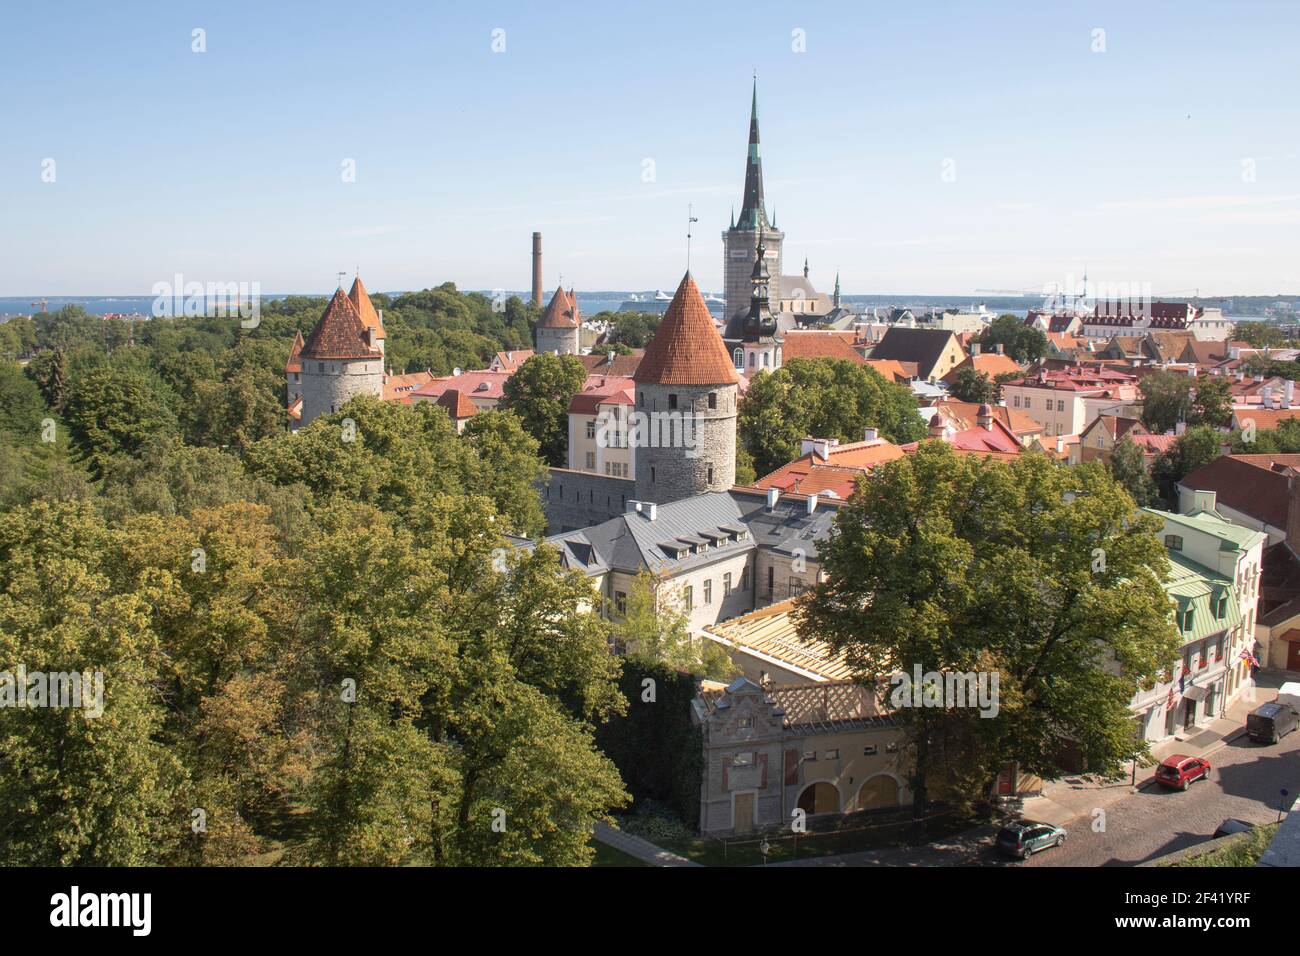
[341, 358]
[740, 242]
[684, 439]
[560, 327]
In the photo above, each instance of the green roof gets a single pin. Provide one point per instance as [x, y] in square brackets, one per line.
[1193, 586]
[1232, 537]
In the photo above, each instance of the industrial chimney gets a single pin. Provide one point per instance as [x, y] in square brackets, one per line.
[537, 270]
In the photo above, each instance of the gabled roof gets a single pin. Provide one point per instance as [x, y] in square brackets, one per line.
[686, 348]
[561, 312]
[398, 388]
[360, 300]
[922, 346]
[837, 473]
[340, 333]
[769, 634]
[622, 366]
[986, 363]
[510, 361]
[892, 370]
[1265, 419]
[295, 351]
[1255, 485]
[964, 415]
[820, 344]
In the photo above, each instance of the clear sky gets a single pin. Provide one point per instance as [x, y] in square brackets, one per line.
[227, 165]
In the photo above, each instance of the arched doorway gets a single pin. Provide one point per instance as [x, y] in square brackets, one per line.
[820, 797]
[880, 791]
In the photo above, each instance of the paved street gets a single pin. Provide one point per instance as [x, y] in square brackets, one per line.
[1244, 783]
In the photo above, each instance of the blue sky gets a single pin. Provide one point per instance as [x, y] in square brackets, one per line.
[227, 165]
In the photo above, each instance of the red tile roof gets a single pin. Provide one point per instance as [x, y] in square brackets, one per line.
[1255, 485]
[965, 415]
[510, 361]
[838, 472]
[457, 405]
[340, 333]
[561, 312]
[817, 344]
[479, 385]
[360, 300]
[295, 362]
[398, 388]
[686, 349]
[893, 370]
[623, 366]
[1265, 419]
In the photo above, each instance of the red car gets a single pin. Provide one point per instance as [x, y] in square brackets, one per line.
[1181, 770]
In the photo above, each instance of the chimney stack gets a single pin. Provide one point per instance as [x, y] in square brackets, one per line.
[812, 503]
[984, 417]
[773, 495]
[537, 270]
[870, 434]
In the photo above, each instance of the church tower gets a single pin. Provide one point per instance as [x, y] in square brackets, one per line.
[741, 241]
[684, 438]
[752, 337]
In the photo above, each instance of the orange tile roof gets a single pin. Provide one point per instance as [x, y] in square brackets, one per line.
[893, 369]
[457, 405]
[986, 363]
[295, 362]
[561, 312]
[686, 349]
[966, 415]
[1265, 419]
[360, 300]
[510, 361]
[818, 344]
[396, 387]
[340, 333]
[837, 472]
[598, 363]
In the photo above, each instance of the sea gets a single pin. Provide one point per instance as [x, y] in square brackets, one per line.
[588, 302]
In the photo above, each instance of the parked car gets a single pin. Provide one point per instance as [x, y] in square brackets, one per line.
[1182, 771]
[1231, 826]
[1269, 723]
[1024, 839]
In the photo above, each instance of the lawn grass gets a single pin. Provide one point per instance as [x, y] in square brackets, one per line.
[607, 855]
[1242, 852]
[862, 836]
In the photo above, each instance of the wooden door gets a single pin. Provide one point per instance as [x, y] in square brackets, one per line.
[743, 813]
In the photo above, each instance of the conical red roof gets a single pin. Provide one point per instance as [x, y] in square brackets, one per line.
[295, 363]
[561, 312]
[360, 300]
[686, 349]
[340, 333]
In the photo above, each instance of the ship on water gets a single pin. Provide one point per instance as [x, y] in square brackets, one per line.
[656, 303]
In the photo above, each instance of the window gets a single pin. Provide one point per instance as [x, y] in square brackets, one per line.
[1060, 404]
[1174, 542]
[591, 460]
[689, 596]
[672, 401]
[726, 584]
[747, 723]
[713, 399]
[751, 359]
[745, 759]
[810, 755]
[833, 754]
[710, 478]
[744, 578]
[1028, 401]
[640, 399]
[796, 585]
[652, 474]
[891, 748]
[620, 602]
[771, 580]
[320, 367]
[708, 591]
[738, 357]
[1017, 401]
[869, 750]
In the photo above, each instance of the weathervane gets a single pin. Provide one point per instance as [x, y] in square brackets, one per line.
[342, 274]
[689, 219]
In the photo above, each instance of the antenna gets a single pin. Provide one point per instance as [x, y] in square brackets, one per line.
[342, 274]
[689, 219]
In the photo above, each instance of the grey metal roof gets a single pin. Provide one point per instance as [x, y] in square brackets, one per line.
[632, 542]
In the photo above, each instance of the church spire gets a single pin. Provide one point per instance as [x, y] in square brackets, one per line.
[752, 213]
[837, 289]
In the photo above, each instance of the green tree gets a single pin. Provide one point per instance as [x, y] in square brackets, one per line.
[1194, 448]
[1212, 401]
[1045, 576]
[1127, 465]
[1260, 335]
[114, 412]
[1023, 343]
[824, 398]
[1166, 400]
[653, 629]
[972, 386]
[539, 394]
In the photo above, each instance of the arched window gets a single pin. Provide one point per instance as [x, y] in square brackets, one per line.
[877, 792]
[738, 357]
[819, 797]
